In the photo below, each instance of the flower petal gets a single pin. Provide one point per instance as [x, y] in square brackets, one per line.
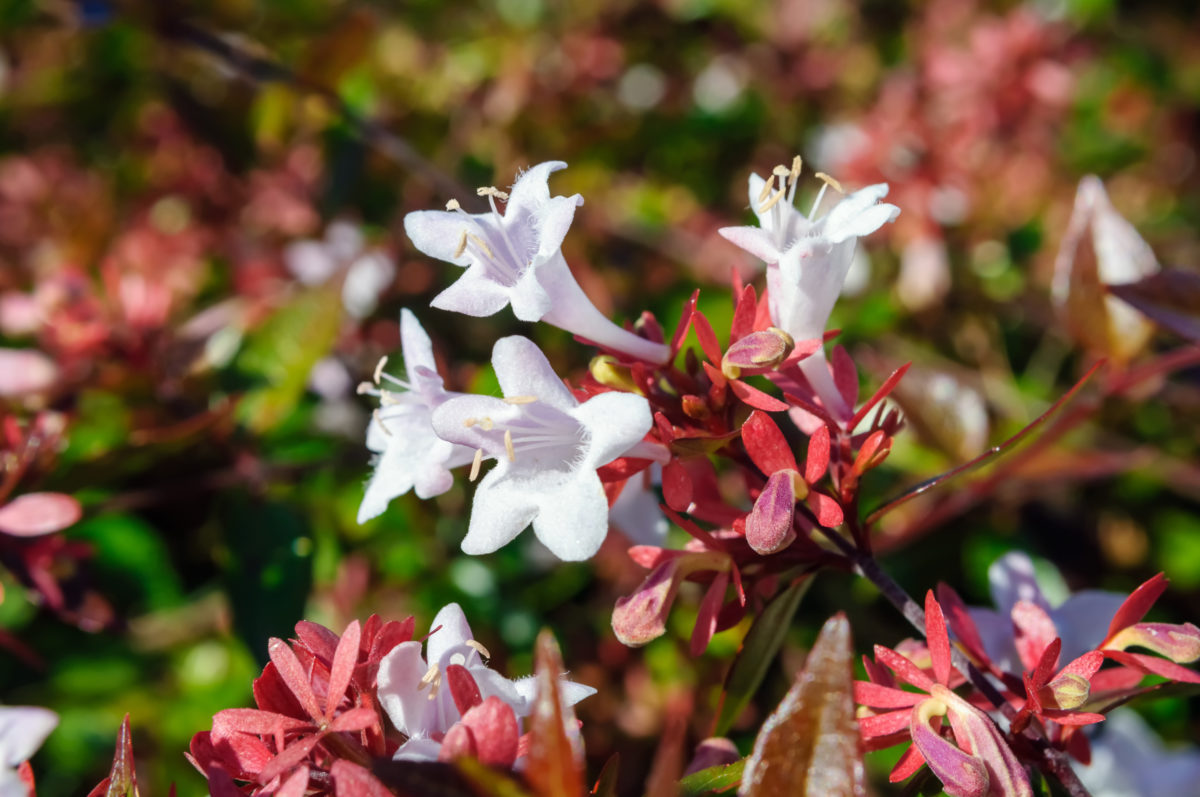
[437, 233]
[473, 294]
[858, 214]
[532, 188]
[22, 731]
[400, 673]
[501, 510]
[523, 370]
[572, 519]
[615, 423]
[452, 632]
[755, 240]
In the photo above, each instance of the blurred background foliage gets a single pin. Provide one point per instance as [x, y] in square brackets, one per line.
[157, 159]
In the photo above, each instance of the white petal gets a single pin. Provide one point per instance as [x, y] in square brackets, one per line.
[755, 240]
[501, 510]
[523, 370]
[529, 299]
[572, 518]
[553, 220]
[996, 631]
[458, 420]
[418, 749]
[1011, 579]
[493, 684]
[756, 184]
[454, 631]
[22, 731]
[532, 189]
[415, 344]
[408, 706]
[437, 233]
[636, 513]
[309, 262]
[858, 214]
[1082, 620]
[615, 423]
[473, 294]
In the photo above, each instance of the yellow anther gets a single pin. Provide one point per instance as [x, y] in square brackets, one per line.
[469, 422]
[491, 190]
[478, 647]
[364, 388]
[462, 245]
[781, 171]
[774, 200]
[453, 205]
[476, 464]
[796, 165]
[379, 368]
[486, 424]
[829, 181]
[482, 244]
[388, 398]
[379, 420]
[508, 446]
[519, 399]
[430, 676]
[765, 192]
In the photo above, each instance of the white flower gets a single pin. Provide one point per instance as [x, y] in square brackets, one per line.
[410, 455]
[368, 273]
[1129, 760]
[22, 731]
[419, 702]
[808, 258]
[636, 511]
[516, 258]
[1081, 620]
[547, 447]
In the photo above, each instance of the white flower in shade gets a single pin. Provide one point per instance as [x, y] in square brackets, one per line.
[368, 272]
[1081, 620]
[22, 731]
[516, 258]
[410, 456]
[808, 258]
[416, 698]
[637, 513]
[1129, 760]
[1101, 248]
[547, 447]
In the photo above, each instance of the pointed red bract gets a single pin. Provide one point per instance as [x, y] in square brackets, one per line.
[463, 688]
[344, 659]
[1137, 604]
[938, 638]
[816, 461]
[293, 675]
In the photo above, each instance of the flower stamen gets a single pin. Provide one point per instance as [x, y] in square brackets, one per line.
[508, 446]
[520, 399]
[478, 648]
[379, 368]
[378, 416]
[476, 464]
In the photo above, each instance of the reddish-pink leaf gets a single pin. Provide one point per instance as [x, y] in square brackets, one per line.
[220, 784]
[249, 720]
[706, 621]
[122, 778]
[317, 638]
[494, 726]
[827, 510]
[743, 316]
[295, 785]
[685, 321]
[1154, 666]
[869, 447]
[1034, 631]
[816, 460]
[888, 385]
[938, 638]
[35, 514]
[463, 688]
[960, 622]
[879, 696]
[766, 445]
[904, 669]
[344, 659]
[552, 769]
[351, 780]
[294, 675]
[1072, 717]
[677, 486]
[910, 761]
[707, 338]
[845, 375]
[291, 757]
[769, 524]
[1046, 664]
[1137, 604]
[356, 719]
[458, 743]
[755, 397]
[809, 746]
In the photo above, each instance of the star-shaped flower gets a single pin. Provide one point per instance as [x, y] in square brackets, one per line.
[516, 258]
[420, 697]
[808, 258]
[410, 455]
[547, 447]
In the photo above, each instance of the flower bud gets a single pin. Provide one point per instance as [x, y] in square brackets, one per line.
[608, 371]
[769, 524]
[758, 351]
[1069, 690]
[695, 407]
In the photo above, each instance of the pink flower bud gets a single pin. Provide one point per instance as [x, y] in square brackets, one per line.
[769, 524]
[757, 351]
[1067, 691]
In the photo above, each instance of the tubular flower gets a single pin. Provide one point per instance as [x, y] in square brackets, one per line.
[808, 258]
[410, 456]
[516, 258]
[547, 447]
[978, 763]
[455, 700]
[22, 731]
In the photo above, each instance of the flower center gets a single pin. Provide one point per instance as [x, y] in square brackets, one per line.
[539, 439]
[490, 242]
[778, 195]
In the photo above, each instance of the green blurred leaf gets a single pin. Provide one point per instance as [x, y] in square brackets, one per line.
[714, 780]
[758, 651]
[280, 355]
[101, 424]
[269, 570]
[132, 560]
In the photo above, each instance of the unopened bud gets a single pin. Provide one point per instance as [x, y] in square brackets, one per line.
[758, 351]
[606, 370]
[695, 407]
[769, 524]
[1069, 690]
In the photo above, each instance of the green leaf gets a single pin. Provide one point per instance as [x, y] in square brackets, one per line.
[132, 560]
[606, 784]
[809, 747]
[713, 780]
[758, 651]
[269, 570]
[280, 355]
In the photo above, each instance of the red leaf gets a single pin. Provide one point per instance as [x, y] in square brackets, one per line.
[1154, 666]
[1086, 665]
[496, 732]
[904, 669]
[463, 688]
[351, 780]
[884, 724]
[706, 621]
[767, 446]
[707, 338]
[879, 696]
[869, 447]
[317, 638]
[677, 486]
[909, 762]
[1137, 604]
[249, 720]
[817, 459]
[293, 674]
[685, 321]
[754, 397]
[938, 638]
[1046, 664]
[1034, 632]
[1072, 717]
[552, 769]
[960, 622]
[356, 719]
[296, 784]
[743, 315]
[344, 659]
[122, 778]
[220, 784]
[622, 468]
[827, 510]
[35, 514]
[296, 752]
[888, 385]
[845, 375]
